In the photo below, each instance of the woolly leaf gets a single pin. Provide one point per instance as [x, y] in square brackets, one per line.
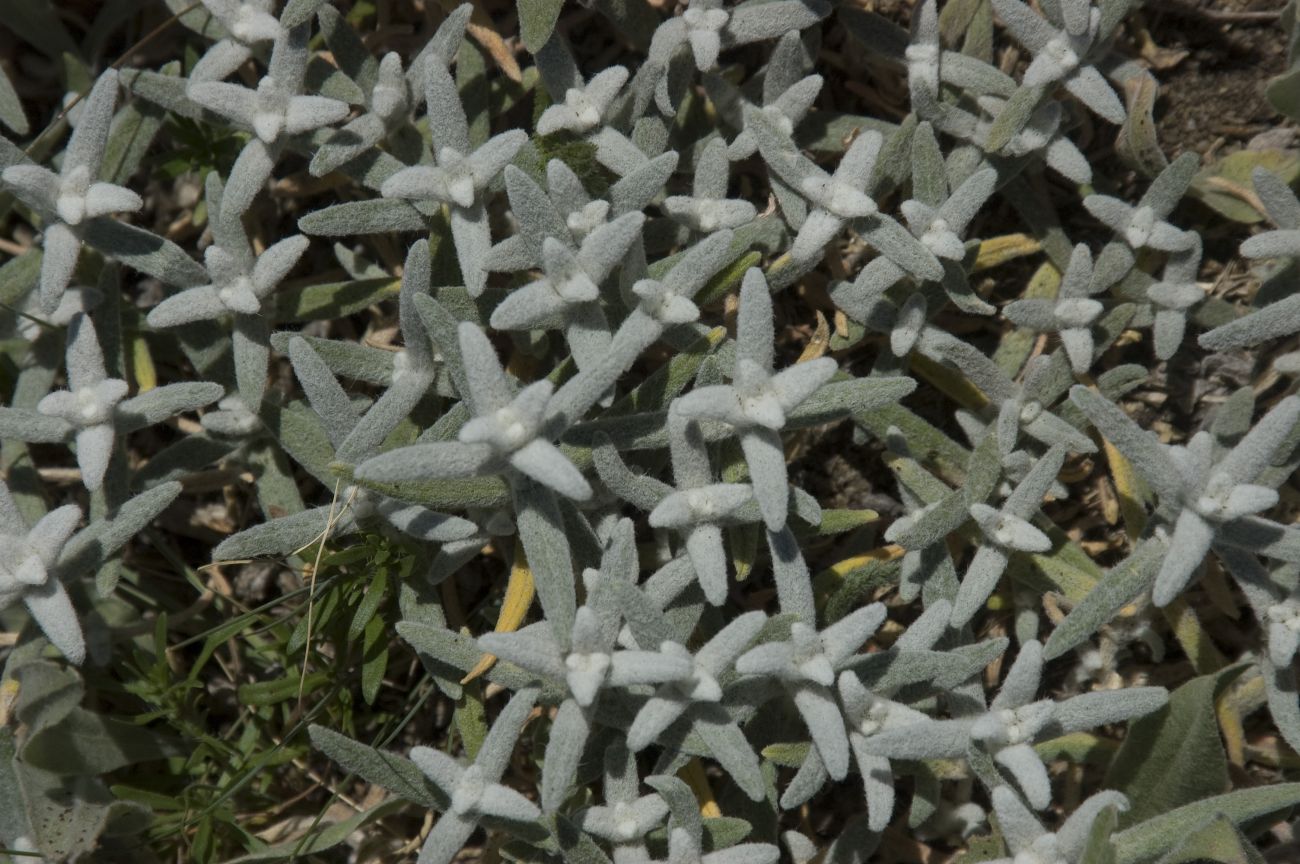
[394, 773]
[1175, 756]
[536, 21]
[1147, 840]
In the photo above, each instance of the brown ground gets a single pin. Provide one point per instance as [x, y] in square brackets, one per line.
[1214, 95]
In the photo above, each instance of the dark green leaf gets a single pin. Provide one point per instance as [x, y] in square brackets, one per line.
[536, 21]
[333, 299]
[89, 743]
[1173, 756]
[1220, 842]
[395, 773]
[1146, 840]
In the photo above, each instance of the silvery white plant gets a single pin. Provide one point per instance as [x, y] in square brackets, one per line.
[1071, 315]
[806, 666]
[389, 91]
[788, 95]
[408, 374]
[1041, 133]
[1030, 843]
[568, 295]
[441, 48]
[698, 506]
[597, 111]
[869, 710]
[588, 664]
[932, 71]
[474, 792]
[857, 842]
[72, 201]
[247, 23]
[906, 323]
[1273, 597]
[1063, 44]
[506, 433]
[865, 714]
[1173, 297]
[660, 305]
[758, 400]
[686, 832]
[1208, 496]
[984, 93]
[355, 507]
[28, 555]
[627, 816]
[708, 208]
[937, 215]
[708, 27]
[1013, 721]
[241, 282]
[460, 173]
[924, 60]
[584, 107]
[231, 419]
[938, 218]
[565, 211]
[1024, 407]
[839, 198]
[94, 411]
[1006, 530]
[696, 700]
[1144, 225]
[36, 559]
[388, 108]
[923, 522]
[33, 320]
[275, 110]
